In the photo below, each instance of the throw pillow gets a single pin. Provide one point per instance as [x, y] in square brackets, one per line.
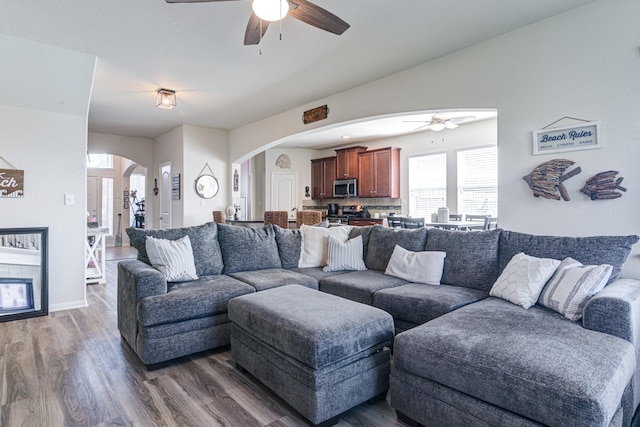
[572, 285]
[523, 279]
[383, 240]
[417, 267]
[313, 252]
[344, 255]
[173, 258]
[248, 249]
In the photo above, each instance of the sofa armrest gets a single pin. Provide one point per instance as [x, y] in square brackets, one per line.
[615, 310]
[136, 280]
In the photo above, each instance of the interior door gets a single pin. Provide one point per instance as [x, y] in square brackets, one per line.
[283, 192]
[165, 195]
[92, 198]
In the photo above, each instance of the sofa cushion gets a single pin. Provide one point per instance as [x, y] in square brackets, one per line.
[317, 272]
[246, 249]
[523, 279]
[534, 362]
[417, 303]
[571, 286]
[206, 296]
[612, 250]
[289, 242]
[472, 257]
[365, 232]
[383, 240]
[173, 258]
[274, 277]
[417, 267]
[204, 243]
[344, 255]
[359, 285]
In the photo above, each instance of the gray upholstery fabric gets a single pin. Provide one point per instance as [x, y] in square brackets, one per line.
[335, 389]
[359, 285]
[288, 242]
[418, 303]
[382, 240]
[274, 277]
[613, 250]
[206, 296]
[533, 362]
[313, 327]
[365, 232]
[317, 272]
[472, 258]
[165, 330]
[204, 242]
[246, 249]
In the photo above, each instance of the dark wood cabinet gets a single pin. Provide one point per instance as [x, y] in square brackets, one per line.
[363, 222]
[379, 173]
[323, 173]
[347, 162]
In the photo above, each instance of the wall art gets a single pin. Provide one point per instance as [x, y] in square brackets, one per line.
[604, 185]
[546, 180]
[585, 136]
[175, 187]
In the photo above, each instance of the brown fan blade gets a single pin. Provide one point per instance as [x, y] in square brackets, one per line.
[252, 35]
[194, 1]
[314, 15]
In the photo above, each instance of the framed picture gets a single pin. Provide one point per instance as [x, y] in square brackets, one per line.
[125, 193]
[125, 199]
[126, 205]
[585, 136]
[175, 187]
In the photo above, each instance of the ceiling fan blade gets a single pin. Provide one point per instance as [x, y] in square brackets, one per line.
[252, 35]
[449, 124]
[312, 14]
[194, 1]
[462, 119]
[423, 126]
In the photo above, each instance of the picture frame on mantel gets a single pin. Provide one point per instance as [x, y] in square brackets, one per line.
[583, 136]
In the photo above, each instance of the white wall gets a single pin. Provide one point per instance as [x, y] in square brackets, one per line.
[583, 63]
[201, 146]
[300, 164]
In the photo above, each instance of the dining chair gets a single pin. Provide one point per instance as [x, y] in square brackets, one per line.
[412, 222]
[218, 217]
[394, 222]
[471, 217]
[308, 217]
[490, 223]
[279, 218]
[456, 217]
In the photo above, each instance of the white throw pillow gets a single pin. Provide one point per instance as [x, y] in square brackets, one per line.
[417, 267]
[313, 251]
[345, 255]
[523, 279]
[173, 258]
[572, 285]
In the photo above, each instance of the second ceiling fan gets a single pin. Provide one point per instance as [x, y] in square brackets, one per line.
[265, 11]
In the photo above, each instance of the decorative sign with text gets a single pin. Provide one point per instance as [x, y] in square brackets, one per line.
[568, 138]
[11, 183]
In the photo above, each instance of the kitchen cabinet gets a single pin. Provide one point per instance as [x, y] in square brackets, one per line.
[347, 162]
[323, 173]
[379, 173]
[363, 222]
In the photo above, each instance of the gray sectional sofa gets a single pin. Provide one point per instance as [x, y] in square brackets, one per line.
[461, 357]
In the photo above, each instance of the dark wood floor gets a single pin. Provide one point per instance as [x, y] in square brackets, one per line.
[71, 369]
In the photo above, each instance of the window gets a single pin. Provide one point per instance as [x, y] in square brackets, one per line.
[478, 181]
[100, 161]
[427, 184]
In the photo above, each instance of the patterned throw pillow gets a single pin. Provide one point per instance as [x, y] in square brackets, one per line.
[523, 279]
[344, 255]
[572, 285]
[173, 258]
[417, 267]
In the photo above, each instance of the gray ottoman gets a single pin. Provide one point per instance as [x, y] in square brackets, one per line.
[321, 353]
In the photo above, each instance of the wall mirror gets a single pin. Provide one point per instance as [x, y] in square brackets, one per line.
[207, 186]
[23, 273]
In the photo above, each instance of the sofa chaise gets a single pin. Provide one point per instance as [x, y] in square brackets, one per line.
[461, 356]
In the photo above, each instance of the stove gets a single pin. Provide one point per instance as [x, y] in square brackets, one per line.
[348, 211]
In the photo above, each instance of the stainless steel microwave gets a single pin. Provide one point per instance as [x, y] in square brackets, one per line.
[345, 188]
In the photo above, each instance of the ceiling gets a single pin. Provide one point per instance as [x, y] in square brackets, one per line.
[197, 49]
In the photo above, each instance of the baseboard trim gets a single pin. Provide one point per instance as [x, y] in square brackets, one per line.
[68, 305]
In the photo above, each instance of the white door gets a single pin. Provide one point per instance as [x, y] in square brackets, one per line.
[284, 186]
[165, 195]
[92, 198]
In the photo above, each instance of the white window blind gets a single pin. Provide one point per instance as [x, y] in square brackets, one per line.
[427, 184]
[478, 181]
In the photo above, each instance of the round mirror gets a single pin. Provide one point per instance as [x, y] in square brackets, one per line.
[207, 186]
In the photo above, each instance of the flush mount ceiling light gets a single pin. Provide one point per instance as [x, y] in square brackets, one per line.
[270, 10]
[166, 99]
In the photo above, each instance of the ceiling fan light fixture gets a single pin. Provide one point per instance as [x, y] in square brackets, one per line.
[270, 10]
[449, 124]
[166, 99]
[437, 126]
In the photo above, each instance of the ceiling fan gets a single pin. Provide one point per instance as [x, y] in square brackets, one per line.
[439, 121]
[302, 10]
